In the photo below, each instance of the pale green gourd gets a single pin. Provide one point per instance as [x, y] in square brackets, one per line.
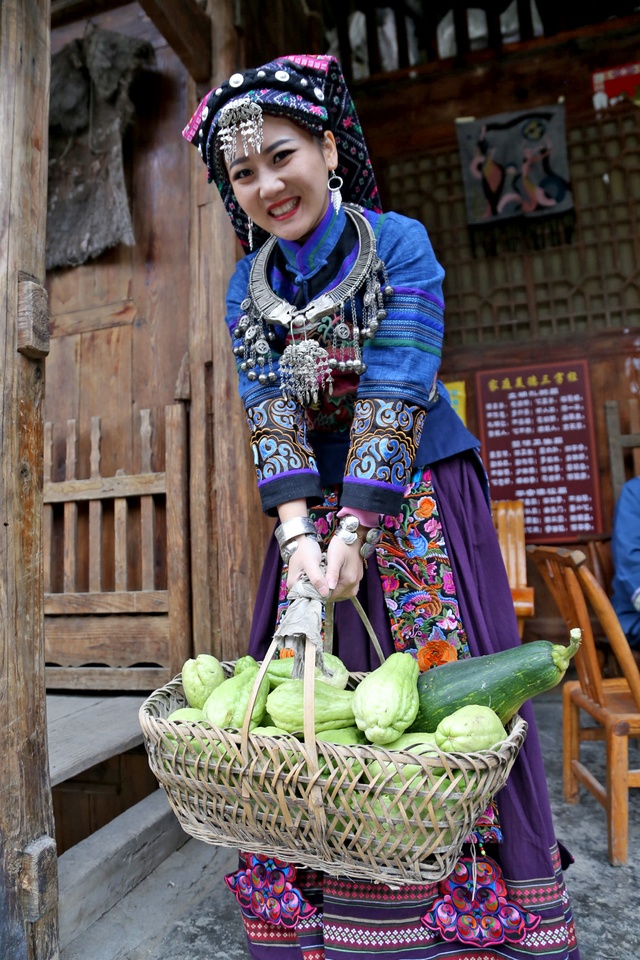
[227, 705]
[280, 670]
[386, 701]
[333, 707]
[471, 728]
[200, 677]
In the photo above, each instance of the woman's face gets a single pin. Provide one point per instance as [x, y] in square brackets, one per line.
[284, 187]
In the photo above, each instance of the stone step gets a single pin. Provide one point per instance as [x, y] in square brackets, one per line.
[95, 874]
[182, 910]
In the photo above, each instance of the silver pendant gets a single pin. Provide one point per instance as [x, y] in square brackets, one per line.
[304, 372]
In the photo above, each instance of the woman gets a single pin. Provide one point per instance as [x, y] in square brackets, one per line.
[336, 318]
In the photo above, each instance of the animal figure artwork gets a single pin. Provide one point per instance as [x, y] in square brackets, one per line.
[515, 165]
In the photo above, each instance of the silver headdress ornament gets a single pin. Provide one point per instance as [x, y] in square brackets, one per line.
[242, 117]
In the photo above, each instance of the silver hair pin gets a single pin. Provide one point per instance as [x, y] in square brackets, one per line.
[242, 117]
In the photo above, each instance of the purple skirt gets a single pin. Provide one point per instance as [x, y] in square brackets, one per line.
[354, 914]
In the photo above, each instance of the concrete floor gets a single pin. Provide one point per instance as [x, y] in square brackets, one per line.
[183, 911]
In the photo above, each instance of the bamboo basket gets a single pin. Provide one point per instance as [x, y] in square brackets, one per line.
[329, 807]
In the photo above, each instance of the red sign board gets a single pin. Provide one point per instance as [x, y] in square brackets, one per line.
[538, 446]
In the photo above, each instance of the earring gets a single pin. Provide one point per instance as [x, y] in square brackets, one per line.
[335, 183]
[250, 234]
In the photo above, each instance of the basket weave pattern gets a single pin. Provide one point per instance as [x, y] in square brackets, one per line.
[362, 812]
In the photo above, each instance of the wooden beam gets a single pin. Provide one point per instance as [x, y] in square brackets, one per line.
[187, 29]
[66, 11]
[28, 873]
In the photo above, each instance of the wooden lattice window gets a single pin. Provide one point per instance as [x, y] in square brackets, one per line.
[590, 284]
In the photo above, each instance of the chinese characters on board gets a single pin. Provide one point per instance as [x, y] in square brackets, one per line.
[537, 446]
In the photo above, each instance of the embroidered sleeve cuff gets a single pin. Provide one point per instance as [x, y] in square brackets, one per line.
[385, 435]
[300, 485]
[281, 453]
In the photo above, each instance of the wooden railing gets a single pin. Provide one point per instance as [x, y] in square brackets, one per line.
[101, 630]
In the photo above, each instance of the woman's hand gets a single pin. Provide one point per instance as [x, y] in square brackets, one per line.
[345, 568]
[306, 559]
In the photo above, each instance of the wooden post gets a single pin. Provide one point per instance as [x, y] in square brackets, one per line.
[28, 863]
[228, 528]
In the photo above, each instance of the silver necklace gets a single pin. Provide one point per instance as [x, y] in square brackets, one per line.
[305, 366]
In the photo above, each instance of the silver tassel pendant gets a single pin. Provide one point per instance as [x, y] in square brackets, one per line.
[305, 372]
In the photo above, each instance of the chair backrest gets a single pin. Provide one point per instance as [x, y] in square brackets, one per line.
[508, 520]
[578, 594]
[600, 561]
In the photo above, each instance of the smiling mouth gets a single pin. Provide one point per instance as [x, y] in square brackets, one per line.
[285, 209]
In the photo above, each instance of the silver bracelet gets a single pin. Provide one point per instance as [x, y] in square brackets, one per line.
[288, 549]
[347, 531]
[294, 528]
[371, 541]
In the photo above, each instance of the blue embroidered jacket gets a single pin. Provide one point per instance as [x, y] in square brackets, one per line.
[376, 427]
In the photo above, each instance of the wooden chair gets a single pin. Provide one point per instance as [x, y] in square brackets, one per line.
[614, 703]
[600, 561]
[116, 566]
[508, 519]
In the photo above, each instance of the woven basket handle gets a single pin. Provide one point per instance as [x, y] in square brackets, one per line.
[328, 646]
[310, 745]
[328, 628]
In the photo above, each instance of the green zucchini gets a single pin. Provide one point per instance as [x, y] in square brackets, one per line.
[502, 681]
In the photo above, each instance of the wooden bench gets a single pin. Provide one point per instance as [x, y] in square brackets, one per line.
[508, 519]
[116, 566]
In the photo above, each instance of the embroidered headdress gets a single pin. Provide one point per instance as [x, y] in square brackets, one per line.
[309, 90]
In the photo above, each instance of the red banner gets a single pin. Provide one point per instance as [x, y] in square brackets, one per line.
[618, 83]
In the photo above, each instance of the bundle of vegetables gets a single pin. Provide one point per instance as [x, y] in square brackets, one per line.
[390, 700]
[378, 791]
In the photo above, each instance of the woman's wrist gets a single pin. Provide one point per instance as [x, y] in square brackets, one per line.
[290, 547]
[291, 531]
[366, 518]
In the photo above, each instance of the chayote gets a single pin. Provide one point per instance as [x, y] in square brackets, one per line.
[245, 663]
[280, 670]
[386, 701]
[200, 677]
[342, 736]
[333, 707]
[187, 713]
[471, 728]
[227, 705]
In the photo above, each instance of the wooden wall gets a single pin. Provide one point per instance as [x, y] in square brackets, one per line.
[119, 323]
